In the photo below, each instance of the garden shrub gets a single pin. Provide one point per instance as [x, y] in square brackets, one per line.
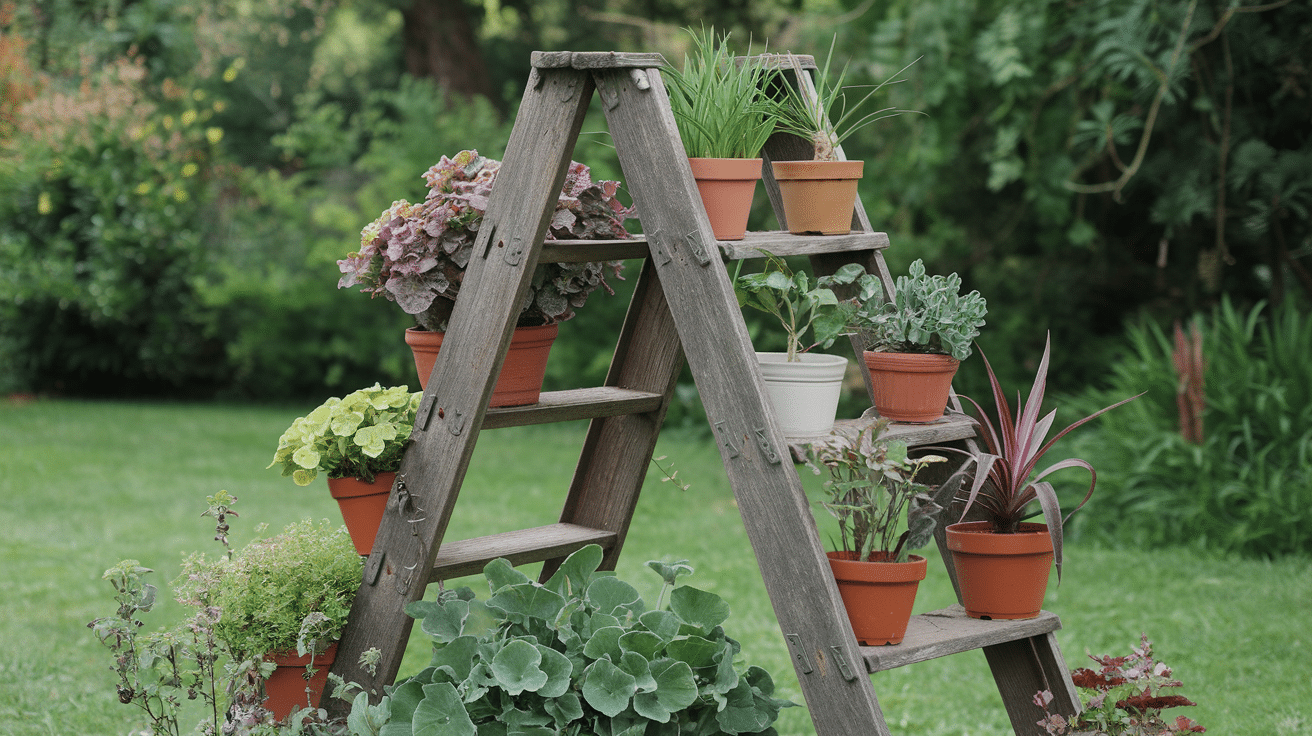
[1248, 487]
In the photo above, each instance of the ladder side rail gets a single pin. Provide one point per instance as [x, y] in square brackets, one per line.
[613, 462]
[464, 374]
[771, 500]
[1022, 668]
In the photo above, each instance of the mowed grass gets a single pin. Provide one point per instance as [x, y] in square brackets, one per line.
[86, 484]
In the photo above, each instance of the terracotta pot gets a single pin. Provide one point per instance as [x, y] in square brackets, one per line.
[805, 392]
[727, 186]
[520, 382]
[911, 387]
[362, 506]
[1001, 576]
[285, 688]
[878, 595]
[818, 196]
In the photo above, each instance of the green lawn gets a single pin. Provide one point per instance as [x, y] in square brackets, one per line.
[86, 484]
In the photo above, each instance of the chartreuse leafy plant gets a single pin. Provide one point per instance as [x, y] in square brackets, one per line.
[357, 436]
[928, 315]
[720, 106]
[800, 303]
[579, 655]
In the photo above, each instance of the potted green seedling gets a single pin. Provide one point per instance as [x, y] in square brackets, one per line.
[804, 387]
[416, 254]
[358, 441]
[724, 118]
[916, 342]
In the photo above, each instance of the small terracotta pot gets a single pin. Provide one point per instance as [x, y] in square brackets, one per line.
[818, 196]
[285, 688]
[362, 506]
[727, 186]
[911, 387]
[520, 382]
[878, 595]
[1002, 576]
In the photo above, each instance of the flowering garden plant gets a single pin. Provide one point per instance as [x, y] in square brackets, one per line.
[1126, 699]
[357, 436]
[416, 254]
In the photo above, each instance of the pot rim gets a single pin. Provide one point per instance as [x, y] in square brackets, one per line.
[978, 537]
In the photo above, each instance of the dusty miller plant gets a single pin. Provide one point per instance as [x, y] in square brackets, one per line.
[416, 254]
[928, 314]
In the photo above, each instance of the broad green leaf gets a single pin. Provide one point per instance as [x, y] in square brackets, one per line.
[642, 642]
[726, 677]
[500, 573]
[524, 600]
[558, 669]
[564, 709]
[306, 457]
[458, 654]
[405, 698]
[571, 578]
[441, 713]
[637, 665]
[670, 572]
[676, 689]
[605, 643]
[366, 719]
[661, 623]
[612, 595]
[694, 650]
[516, 668]
[745, 711]
[445, 622]
[608, 688]
[697, 607]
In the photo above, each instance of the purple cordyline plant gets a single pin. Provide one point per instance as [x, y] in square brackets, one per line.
[1005, 481]
[416, 254]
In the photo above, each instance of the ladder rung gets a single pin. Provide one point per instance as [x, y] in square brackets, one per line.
[781, 243]
[950, 631]
[578, 403]
[583, 251]
[950, 427]
[521, 547]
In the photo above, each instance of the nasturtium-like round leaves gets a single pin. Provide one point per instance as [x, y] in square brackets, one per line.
[516, 667]
[608, 688]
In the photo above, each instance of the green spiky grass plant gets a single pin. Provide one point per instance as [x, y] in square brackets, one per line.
[719, 105]
[86, 484]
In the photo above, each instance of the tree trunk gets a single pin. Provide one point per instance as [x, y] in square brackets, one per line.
[440, 43]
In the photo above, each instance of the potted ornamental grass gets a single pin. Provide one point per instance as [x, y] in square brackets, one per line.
[819, 193]
[724, 119]
[579, 654]
[416, 255]
[1002, 561]
[358, 441]
[883, 513]
[804, 387]
[916, 342]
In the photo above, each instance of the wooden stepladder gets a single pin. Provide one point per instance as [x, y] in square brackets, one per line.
[683, 308]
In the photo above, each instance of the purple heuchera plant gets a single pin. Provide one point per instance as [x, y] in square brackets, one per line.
[416, 254]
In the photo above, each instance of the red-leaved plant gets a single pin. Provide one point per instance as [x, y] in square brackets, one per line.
[1005, 481]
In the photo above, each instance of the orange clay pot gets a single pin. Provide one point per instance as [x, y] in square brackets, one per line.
[1002, 576]
[878, 595]
[911, 387]
[285, 688]
[818, 196]
[727, 186]
[362, 506]
[520, 382]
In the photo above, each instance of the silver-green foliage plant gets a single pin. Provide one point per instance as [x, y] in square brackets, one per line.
[871, 485]
[929, 314]
[579, 655]
[719, 105]
[359, 435]
[801, 304]
[825, 118]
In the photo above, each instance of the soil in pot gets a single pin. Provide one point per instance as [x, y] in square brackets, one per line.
[285, 688]
[911, 387]
[804, 392]
[818, 196]
[1001, 576]
[362, 505]
[878, 595]
[520, 382]
[727, 186]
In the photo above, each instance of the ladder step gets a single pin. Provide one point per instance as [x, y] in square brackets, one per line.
[950, 631]
[521, 547]
[781, 243]
[950, 427]
[578, 403]
[583, 251]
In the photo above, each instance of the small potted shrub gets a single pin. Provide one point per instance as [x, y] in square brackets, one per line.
[416, 254]
[580, 654]
[819, 194]
[724, 118]
[915, 343]
[359, 441]
[803, 386]
[1002, 562]
[871, 488]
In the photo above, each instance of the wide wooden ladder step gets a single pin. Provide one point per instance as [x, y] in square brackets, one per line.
[950, 631]
[521, 547]
[581, 403]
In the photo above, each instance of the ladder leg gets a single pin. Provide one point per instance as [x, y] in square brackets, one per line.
[770, 497]
[499, 273]
[1022, 668]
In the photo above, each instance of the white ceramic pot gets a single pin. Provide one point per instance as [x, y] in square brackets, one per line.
[805, 393]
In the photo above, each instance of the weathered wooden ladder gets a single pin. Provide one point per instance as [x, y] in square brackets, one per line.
[683, 306]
